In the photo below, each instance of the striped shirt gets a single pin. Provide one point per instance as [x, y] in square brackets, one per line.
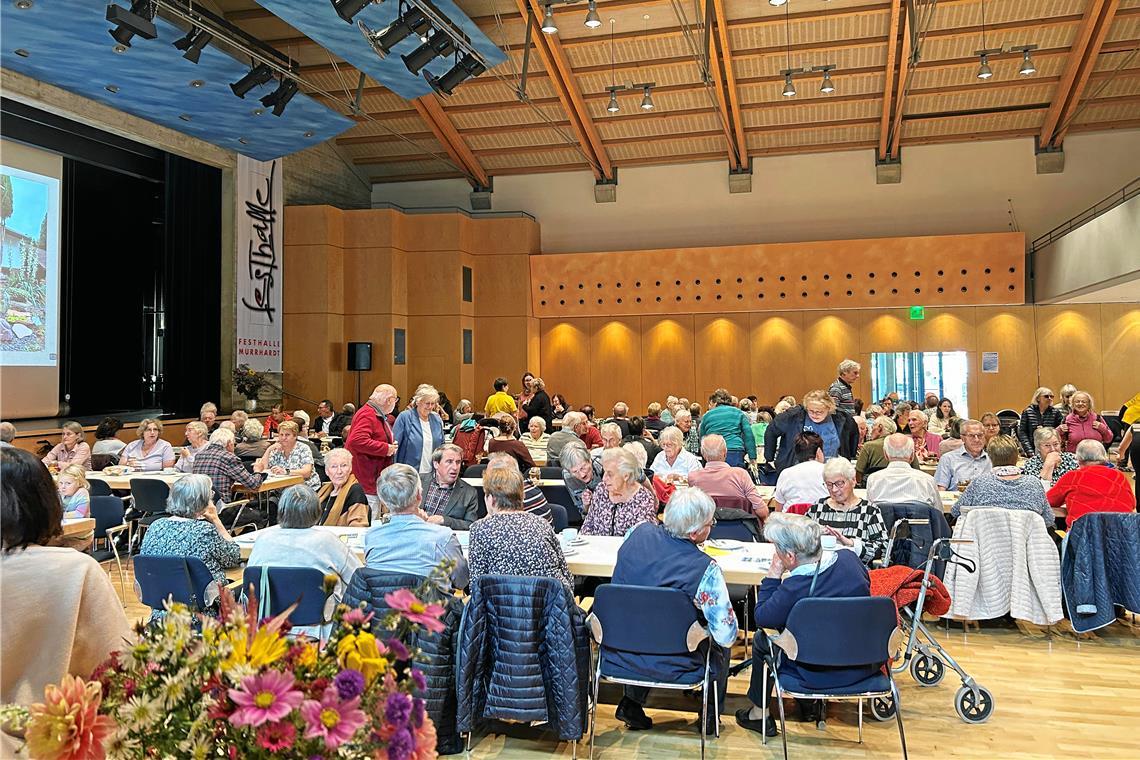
[862, 522]
[843, 395]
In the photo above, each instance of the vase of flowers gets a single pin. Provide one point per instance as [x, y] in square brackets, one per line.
[249, 382]
[243, 689]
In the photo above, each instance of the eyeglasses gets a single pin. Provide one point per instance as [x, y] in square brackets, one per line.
[1054, 446]
[973, 435]
[835, 485]
[1046, 395]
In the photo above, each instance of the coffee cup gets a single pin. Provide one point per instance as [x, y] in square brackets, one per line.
[568, 535]
[828, 542]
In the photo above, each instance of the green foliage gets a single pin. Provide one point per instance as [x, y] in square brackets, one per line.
[6, 204]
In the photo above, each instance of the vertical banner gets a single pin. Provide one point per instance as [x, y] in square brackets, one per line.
[259, 248]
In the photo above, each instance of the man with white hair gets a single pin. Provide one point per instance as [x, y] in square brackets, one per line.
[841, 390]
[871, 457]
[197, 438]
[574, 425]
[372, 443]
[620, 418]
[221, 464]
[900, 482]
[666, 556]
[719, 479]
[407, 543]
[7, 434]
[1093, 487]
[683, 420]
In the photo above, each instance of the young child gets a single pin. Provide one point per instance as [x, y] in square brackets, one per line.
[73, 492]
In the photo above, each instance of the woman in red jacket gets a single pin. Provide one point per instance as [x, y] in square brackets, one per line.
[1083, 423]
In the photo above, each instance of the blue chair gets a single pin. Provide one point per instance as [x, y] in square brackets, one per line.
[278, 587]
[98, 487]
[107, 512]
[181, 579]
[148, 496]
[649, 621]
[558, 512]
[838, 633]
[474, 471]
[561, 495]
[550, 473]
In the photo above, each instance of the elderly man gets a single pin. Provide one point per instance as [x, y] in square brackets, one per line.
[1094, 487]
[871, 457]
[371, 442]
[238, 417]
[718, 479]
[620, 418]
[197, 438]
[964, 464]
[686, 523]
[611, 437]
[407, 543]
[802, 483]
[574, 426]
[221, 464]
[840, 390]
[900, 482]
[208, 414]
[733, 425]
[683, 420]
[7, 434]
[328, 422]
[447, 499]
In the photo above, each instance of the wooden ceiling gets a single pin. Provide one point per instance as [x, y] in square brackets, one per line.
[1087, 79]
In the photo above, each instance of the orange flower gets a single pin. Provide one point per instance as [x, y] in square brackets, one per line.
[67, 725]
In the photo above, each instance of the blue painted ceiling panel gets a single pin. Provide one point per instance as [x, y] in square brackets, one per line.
[317, 20]
[68, 45]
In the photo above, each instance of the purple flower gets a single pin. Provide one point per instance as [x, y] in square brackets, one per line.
[401, 745]
[349, 683]
[419, 711]
[398, 708]
[398, 649]
[419, 680]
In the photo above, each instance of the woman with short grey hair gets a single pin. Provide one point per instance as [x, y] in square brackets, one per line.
[620, 502]
[399, 489]
[689, 510]
[854, 522]
[296, 541]
[581, 472]
[192, 528]
[1050, 461]
[251, 444]
[673, 462]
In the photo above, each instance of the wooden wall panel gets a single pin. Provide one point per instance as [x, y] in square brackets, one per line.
[369, 281]
[1010, 332]
[722, 357]
[315, 281]
[1069, 347]
[1120, 342]
[466, 371]
[667, 364]
[615, 362]
[435, 283]
[947, 329]
[314, 225]
[377, 329]
[501, 285]
[312, 355]
[564, 350]
[829, 338]
[500, 236]
[427, 232]
[777, 348]
[500, 345]
[435, 353]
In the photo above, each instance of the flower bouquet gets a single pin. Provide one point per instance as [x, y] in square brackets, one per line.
[242, 689]
[248, 382]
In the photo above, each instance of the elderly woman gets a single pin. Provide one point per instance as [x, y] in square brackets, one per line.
[611, 437]
[925, 443]
[78, 618]
[1094, 487]
[1004, 485]
[688, 519]
[505, 440]
[991, 424]
[817, 414]
[71, 449]
[619, 502]
[252, 444]
[192, 529]
[560, 406]
[295, 542]
[799, 569]
[342, 500]
[149, 451]
[1051, 461]
[725, 420]
[853, 521]
[464, 410]
[942, 416]
[1039, 413]
[511, 540]
[536, 438]
[198, 438]
[539, 404]
[673, 463]
[73, 493]
[1083, 424]
[289, 456]
[239, 417]
[683, 421]
[534, 501]
[419, 430]
[1067, 391]
[581, 472]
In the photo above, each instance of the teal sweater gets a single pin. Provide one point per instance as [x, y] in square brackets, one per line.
[733, 424]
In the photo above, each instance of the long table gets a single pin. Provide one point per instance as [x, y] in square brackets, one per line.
[123, 482]
[78, 526]
[949, 498]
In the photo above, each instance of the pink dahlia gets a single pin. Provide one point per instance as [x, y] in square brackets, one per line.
[413, 609]
[67, 725]
[331, 719]
[264, 698]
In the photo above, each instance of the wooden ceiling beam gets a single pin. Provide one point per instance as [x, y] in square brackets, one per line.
[1065, 89]
[901, 91]
[383, 180]
[723, 108]
[892, 54]
[733, 110]
[1088, 63]
[456, 147]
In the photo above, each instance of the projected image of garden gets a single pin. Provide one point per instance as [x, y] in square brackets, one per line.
[24, 209]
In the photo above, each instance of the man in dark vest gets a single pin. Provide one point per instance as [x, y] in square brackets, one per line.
[666, 556]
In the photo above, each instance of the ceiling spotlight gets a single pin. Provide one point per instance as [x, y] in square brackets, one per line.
[827, 86]
[22, 52]
[613, 107]
[24, 4]
[347, 9]
[193, 43]
[439, 44]
[984, 70]
[258, 75]
[412, 21]
[777, 3]
[138, 20]
[1027, 66]
[592, 20]
[548, 25]
[111, 88]
[789, 88]
[279, 98]
[467, 67]
[647, 98]
[309, 133]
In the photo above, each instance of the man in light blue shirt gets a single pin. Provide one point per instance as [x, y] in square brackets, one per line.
[964, 464]
[407, 543]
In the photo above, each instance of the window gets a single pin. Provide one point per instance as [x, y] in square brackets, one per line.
[467, 346]
[913, 375]
[400, 343]
[467, 284]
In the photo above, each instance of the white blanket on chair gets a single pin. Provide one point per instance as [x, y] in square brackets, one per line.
[1019, 570]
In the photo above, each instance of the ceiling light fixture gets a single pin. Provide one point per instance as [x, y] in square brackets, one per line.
[411, 21]
[194, 43]
[347, 9]
[647, 98]
[138, 20]
[777, 3]
[439, 44]
[592, 19]
[548, 25]
[613, 106]
[984, 70]
[826, 86]
[23, 4]
[789, 86]
[256, 76]
[1028, 68]
[466, 67]
[279, 98]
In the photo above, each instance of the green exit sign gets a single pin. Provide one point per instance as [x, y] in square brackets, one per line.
[918, 312]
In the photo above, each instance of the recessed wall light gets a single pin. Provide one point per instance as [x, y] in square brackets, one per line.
[196, 83]
[120, 48]
[112, 88]
[22, 53]
[257, 111]
[310, 133]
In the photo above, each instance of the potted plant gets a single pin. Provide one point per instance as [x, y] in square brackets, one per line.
[249, 382]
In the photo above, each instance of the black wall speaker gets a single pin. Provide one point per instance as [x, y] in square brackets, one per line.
[359, 357]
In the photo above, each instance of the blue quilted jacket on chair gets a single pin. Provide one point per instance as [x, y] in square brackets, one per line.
[524, 655]
[1100, 568]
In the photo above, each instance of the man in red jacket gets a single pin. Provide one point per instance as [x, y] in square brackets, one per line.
[371, 442]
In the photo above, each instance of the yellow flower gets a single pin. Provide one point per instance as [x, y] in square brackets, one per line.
[360, 651]
[266, 648]
[308, 656]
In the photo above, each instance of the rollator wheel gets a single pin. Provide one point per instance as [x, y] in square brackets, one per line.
[928, 670]
[974, 709]
[882, 708]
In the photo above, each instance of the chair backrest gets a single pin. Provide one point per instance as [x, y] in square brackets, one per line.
[551, 473]
[843, 632]
[558, 512]
[474, 471]
[99, 461]
[797, 509]
[561, 495]
[914, 549]
[150, 494]
[185, 579]
[732, 502]
[107, 512]
[644, 619]
[98, 487]
[278, 587]
[733, 529]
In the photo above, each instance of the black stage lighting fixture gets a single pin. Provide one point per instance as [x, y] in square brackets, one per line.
[138, 20]
[412, 21]
[467, 67]
[260, 74]
[279, 98]
[347, 9]
[194, 43]
[439, 44]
